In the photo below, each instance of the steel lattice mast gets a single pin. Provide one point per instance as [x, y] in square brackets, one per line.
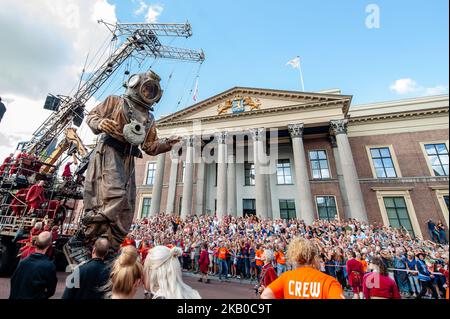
[141, 41]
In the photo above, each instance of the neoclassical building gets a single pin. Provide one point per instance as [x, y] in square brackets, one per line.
[283, 154]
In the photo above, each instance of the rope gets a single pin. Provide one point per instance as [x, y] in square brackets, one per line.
[184, 90]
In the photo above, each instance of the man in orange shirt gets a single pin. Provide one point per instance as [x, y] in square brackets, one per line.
[259, 259]
[222, 258]
[305, 282]
[281, 261]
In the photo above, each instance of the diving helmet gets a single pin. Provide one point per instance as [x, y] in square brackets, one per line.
[144, 89]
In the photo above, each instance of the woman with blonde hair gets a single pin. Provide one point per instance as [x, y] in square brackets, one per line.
[163, 276]
[126, 274]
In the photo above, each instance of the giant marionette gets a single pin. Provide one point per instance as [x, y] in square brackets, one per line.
[126, 126]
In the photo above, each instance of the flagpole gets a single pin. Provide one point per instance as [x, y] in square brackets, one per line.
[301, 74]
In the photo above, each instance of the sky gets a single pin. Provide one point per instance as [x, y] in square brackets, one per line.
[403, 54]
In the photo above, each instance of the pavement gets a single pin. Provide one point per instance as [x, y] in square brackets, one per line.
[214, 290]
[231, 289]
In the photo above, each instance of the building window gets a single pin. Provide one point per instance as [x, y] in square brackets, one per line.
[383, 163]
[397, 213]
[249, 174]
[151, 170]
[216, 174]
[284, 175]
[319, 164]
[146, 204]
[438, 157]
[183, 171]
[287, 209]
[446, 201]
[326, 207]
[249, 207]
[180, 206]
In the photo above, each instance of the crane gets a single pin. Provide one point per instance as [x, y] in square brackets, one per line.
[135, 40]
[139, 40]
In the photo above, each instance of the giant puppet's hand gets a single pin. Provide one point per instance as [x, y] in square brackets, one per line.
[173, 141]
[153, 146]
[110, 127]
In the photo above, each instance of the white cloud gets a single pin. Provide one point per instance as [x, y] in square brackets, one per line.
[141, 9]
[408, 86]
[404, 86]
[47, 43]
[437, 90]
[45, 46]
[153, 12]
[22, 118]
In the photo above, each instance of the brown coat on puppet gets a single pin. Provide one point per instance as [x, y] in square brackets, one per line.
[125, 125]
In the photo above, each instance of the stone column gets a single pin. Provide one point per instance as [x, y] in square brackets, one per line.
[231, 186]
[340, 176]
[171, 194]
[260, 180]
[186, 205]
[158, 185]
[200, 189]
[222, 175]
[351, 180]
[301, 174]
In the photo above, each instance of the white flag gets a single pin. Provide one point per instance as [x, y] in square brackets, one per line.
[295, 63]
[195, 96]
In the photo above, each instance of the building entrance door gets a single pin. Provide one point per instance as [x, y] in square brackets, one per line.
[249, 207]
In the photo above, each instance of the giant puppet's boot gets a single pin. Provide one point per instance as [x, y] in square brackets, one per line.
[76, 251]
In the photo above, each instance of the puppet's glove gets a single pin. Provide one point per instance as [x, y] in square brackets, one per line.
[110, 127]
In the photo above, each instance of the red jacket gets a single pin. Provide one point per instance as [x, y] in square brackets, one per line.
[355, 272]
[67, 172]
[376, 285]
[35, 194]
[204, 261]
[268, 275]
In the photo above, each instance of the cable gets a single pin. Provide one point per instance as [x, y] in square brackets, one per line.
[197, 76]
[184, 90]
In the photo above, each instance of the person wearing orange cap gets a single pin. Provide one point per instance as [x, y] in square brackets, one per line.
[306, 281]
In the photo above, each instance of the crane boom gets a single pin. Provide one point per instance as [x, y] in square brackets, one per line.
[141, 41]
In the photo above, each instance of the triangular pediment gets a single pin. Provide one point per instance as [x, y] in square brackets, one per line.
[246, 101]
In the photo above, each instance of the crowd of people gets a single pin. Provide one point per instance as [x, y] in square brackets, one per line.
[233, 248]
[101, 277]
[286, 258]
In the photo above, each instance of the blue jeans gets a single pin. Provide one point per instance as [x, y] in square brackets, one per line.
[443, 238]
[196, 265]
[258, 271]
[223, 268]
[414, 283]
[434, 237]
[247, 266]
[280, 269]
[402, 281]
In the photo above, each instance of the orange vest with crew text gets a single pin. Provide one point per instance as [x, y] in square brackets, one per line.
[306, 283]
